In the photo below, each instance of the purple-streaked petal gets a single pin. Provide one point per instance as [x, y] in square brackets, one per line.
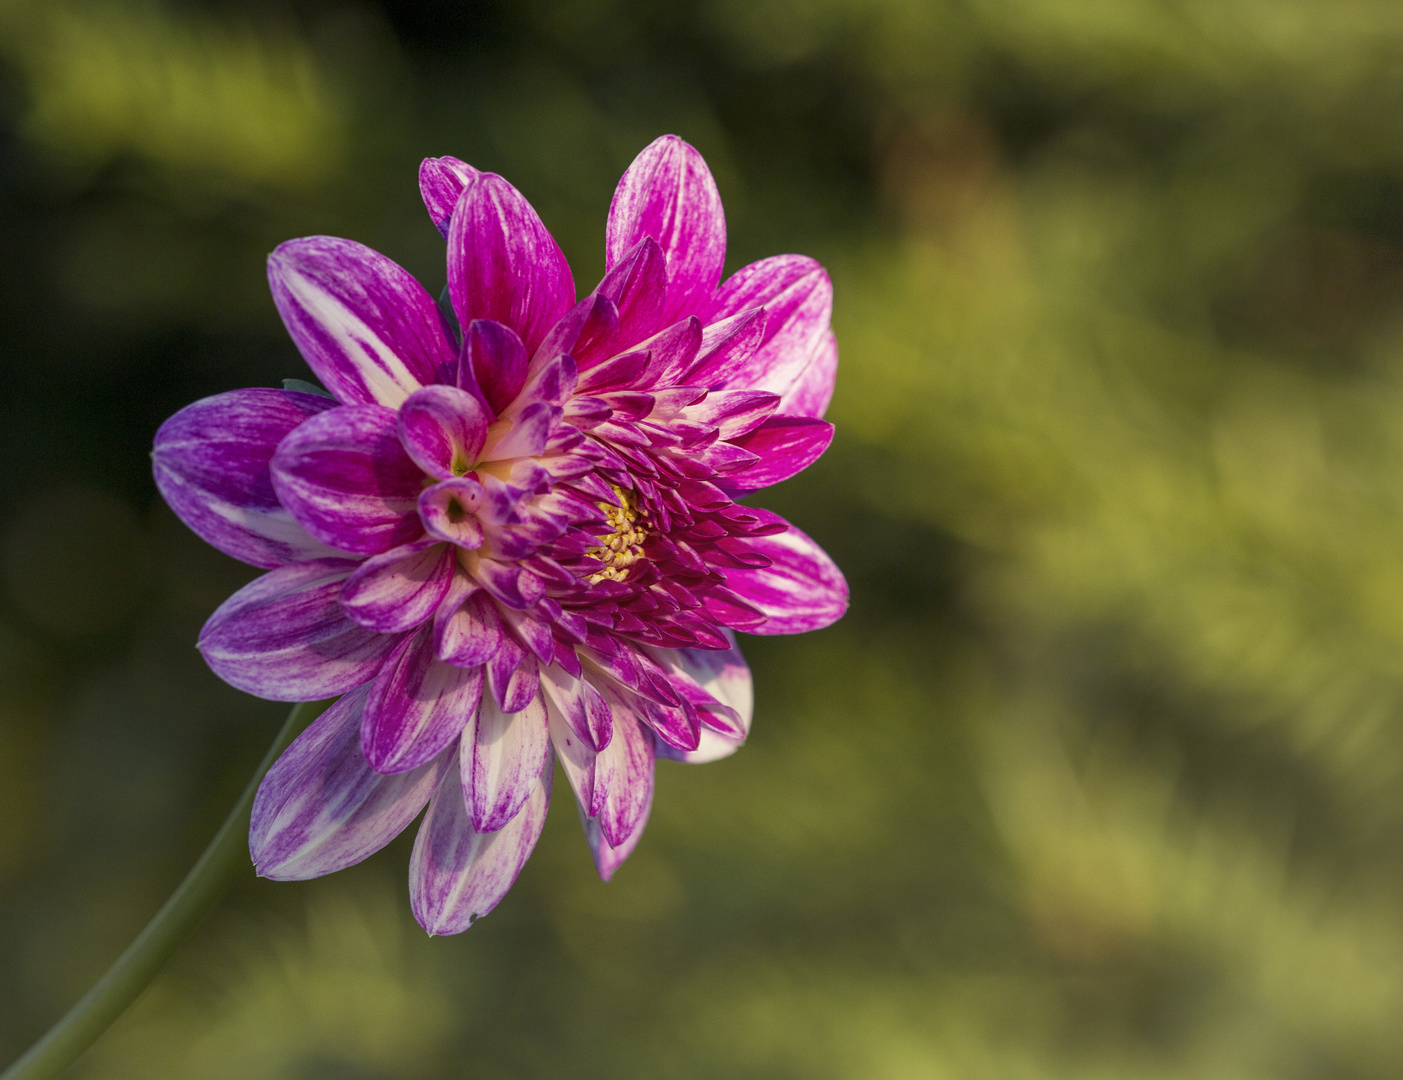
[470, 635]
[726, 348]
[457, 874]
[797, 297]
[347, 480]
[366, 328]
[580, 705]
[637, 286]
[608, 857]
[668, 194]
[417, 706]
[785, 446]
[396, 591]
[283, 636]
[527, 434]
[211, 465]
[725, 676]
[503, 759]
[443, 428]
[448, 511]
[513, 675]
[576, 758]
[495, 360]
[813, 389]
[502, 262]
[802, 589]
[441, 181]
[624, 771]
[321, 808]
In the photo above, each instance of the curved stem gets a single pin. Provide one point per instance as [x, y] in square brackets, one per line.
[192, 900]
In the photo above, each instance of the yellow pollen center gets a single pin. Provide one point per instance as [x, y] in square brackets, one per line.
[623, 546]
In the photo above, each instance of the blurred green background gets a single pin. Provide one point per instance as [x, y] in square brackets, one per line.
[1101, 777]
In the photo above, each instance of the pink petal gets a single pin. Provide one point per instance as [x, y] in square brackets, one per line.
[457, 874]
[813, 389]
[502, 262]
[668, 194]
[495, 360]
[576, 757]
[347, 480]
[283, 636]
[724, 675]
[801, 590]
[417, 706]
[396, 591]
[502, 757]
[441, 181]
[321, 808]
[443, 428]
[211, 465]
[785, 446]
[366, 328]
[797, 297]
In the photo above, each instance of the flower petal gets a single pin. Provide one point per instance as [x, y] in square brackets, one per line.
[797, 297]
[447, 511]
[801, 590]
[813, 389]
[417, 706]
[457, 874]
[347, 480]
[725, 676]
[502, 262]
[441, 181]
[321, 808]
[365, 326]
[443, 428]
[211, 465]
[580, 705]
[495, 359]
[283, 636]
[668, 194]
[397, 590]
[502, 760]
[785, 446]
[470, 635]
[624, 771]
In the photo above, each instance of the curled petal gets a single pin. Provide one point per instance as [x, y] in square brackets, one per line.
[502, 262]
[502, 760]
[457, 874]
[723, 676]
[347, 480]
[321, 808]
[397, 590]
[364, 325]
[802, 589]
[285, 637]
[668, 194]
[449, 512]
[211, 465]
[443, 428]
[417, 706]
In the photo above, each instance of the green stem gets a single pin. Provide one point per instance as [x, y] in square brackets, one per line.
[124, 981]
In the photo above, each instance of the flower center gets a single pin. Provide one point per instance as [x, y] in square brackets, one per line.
[623, 546]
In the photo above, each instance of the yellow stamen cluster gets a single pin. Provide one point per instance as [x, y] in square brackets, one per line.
[624, 545]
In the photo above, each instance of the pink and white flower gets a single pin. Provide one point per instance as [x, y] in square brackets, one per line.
[511, 538]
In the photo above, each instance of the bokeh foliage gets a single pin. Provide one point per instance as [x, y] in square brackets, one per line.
[1103, 774]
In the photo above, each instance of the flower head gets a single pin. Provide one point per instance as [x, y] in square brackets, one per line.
[510, 537]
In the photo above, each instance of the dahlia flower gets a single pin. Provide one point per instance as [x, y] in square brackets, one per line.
[509, 535]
